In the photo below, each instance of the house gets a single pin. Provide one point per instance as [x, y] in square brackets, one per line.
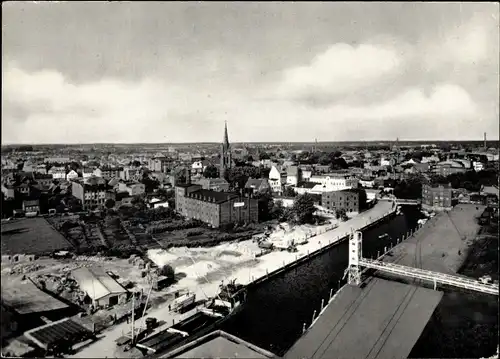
[159, 164]
[157, 203]
[90, 191]
[56, 160]
[102, 290]
[478, 166]
[131, 187]
[57, 173]
[198, 167]
[40, 169]
[336, 181]
[87, 172]
[23, 189]
[131, 173]
[214, 184]
[293, 175]
[260, 185]
[430, 159]
[71, 175]
[437, 197]
[8, 191]
[367, 182]
[108, 172]
[31, 206]
[422, 167]
[275, 180]
[27, 166]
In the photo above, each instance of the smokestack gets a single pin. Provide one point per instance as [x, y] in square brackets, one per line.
[485, 141]
[188, 176]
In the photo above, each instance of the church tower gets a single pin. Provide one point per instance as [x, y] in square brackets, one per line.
[225, 153]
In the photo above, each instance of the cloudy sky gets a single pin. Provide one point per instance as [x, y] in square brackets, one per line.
[174, 72]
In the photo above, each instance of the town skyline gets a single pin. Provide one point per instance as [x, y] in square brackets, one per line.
[290, 73]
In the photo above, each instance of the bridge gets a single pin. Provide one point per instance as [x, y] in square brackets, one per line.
[402, 201]
[356, 261]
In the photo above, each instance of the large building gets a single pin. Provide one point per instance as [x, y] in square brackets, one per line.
[351, 200]
[335, 181]
[214, 207]
[447, 168]
[90, 191]
[438, 197]
[225, 155]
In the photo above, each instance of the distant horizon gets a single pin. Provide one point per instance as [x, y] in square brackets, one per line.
[255, 142]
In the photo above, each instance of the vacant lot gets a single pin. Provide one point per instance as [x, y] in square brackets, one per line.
[31, 236]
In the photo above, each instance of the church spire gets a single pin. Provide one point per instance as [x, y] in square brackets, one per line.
[226, 137]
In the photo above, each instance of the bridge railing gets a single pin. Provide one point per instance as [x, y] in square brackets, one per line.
[430, 276]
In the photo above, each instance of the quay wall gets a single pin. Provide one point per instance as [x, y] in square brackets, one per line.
[323, 246]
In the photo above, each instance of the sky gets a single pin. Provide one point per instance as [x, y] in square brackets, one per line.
[91, 72]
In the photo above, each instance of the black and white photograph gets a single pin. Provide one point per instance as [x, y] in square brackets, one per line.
[250, 179]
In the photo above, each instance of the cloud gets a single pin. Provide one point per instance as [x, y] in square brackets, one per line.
[471, 43]
[444, 102]
[45, 107]
[341, 69]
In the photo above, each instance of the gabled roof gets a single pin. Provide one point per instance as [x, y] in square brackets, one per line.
[96, 283]
[254, 182]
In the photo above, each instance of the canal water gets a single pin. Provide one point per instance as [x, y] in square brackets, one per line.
[275, 312]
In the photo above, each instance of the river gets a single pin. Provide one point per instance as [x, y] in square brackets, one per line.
[274, 313]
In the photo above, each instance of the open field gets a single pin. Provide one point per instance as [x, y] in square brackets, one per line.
[31, 236]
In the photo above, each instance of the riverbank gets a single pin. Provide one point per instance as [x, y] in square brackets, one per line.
[465, 325]
[203, 269]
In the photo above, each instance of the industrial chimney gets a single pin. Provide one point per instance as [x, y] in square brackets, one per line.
[485, 148]
[188, 176]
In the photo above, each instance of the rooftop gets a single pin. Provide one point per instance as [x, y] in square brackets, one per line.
[368, 323]
[219, 344]
[96, 283]
[212, 196]
[25, 298]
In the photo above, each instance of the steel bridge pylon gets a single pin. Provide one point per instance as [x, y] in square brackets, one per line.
[355, 255]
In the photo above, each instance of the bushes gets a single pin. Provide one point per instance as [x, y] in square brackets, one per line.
[168, 227]
[194, 232]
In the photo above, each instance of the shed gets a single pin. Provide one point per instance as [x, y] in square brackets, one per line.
[99, 286]
[63, 332]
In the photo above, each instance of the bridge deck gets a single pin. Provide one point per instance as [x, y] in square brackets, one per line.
[382, 320]
[441, 278]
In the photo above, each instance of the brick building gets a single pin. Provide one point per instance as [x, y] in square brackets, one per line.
[351, 200]
[213, 207]
[437, 197]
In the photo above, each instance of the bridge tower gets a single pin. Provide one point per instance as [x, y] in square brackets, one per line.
[355, 254]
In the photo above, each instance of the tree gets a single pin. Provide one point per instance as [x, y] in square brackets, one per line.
[289, 192]
[303, 208]
[264, 156]
[168, 271]
[110, 203]
[211, 172]
[238, 176]
[277, 210]
[341, 214]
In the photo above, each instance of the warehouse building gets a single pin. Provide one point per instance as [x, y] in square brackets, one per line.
[213, 207]
[351, 200]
